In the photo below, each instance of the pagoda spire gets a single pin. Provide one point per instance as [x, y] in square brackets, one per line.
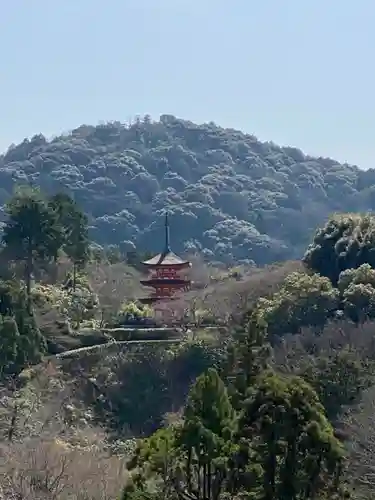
[167, 247]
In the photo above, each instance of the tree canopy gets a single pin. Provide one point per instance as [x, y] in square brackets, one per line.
[345, 242]
[280, 445]
[37, 228]
[303, 300]
[269, 388]
[230, 195]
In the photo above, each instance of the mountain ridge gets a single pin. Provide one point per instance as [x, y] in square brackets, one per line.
[231, 197]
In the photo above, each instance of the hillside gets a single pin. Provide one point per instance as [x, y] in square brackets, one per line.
[231, 196]
[281, 350]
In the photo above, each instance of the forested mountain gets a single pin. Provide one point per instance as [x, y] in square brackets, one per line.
[231, 196]
[256, 366]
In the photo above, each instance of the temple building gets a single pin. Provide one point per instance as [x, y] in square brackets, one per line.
[167, 276]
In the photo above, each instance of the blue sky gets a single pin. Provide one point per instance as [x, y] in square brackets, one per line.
[298, 72]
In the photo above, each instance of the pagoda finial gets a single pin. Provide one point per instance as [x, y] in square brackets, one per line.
[167, 248]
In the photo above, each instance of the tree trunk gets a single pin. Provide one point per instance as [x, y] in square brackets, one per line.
[55, 269]
[288, 489]
[74, 276]
[270, 466]
[28, 275]
[312, 486]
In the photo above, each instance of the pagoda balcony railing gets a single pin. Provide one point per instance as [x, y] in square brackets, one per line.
[166, 282]
[166, 273]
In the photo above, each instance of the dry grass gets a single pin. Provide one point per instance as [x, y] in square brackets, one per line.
[44, 455]
[335, 336]
[356, 424]
[361, 445]
[39, 469]
[230, 298]
[47, 450]
[114, 284]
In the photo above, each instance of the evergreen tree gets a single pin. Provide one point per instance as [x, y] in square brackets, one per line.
[281, 446]
[77, 245]
[31, 232]
[9, 344]
[345, 242]
[8, 293]
[75, 241]
[21, 342]
[247, 357]
[32, 344]
[192, 460]
[206, 439]
[284, 429]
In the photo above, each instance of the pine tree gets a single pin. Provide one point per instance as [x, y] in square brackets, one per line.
[206, 438]
[32, 344]
[9, 344]
[31, 232]
[247, 357]
[74, 222]
[77, 245]
[284, 429]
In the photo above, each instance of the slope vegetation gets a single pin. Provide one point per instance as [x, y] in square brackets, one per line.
[232, 197]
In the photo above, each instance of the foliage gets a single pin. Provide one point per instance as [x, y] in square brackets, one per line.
[339, 379]
[31, 226]
[205, 439]
[358, 302]
[338, 363]
[247, 355]
[75, 305]
[303, 300]
[345, 242]
[21, 344]
[131, 492]
[282, 446]
[363, 274]
[207, 408]
[192, 459]
[10, 341]
[32, 343]
[31, 232]
[243, 430]
[10, 297]
[357, 288]
[74, 223]
[310, 300]
[139, 386]
[227, 191]
[192, 357]
[43, 455]
[133, 311]
[285, 430]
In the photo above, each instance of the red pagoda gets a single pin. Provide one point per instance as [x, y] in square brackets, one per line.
[167, 277]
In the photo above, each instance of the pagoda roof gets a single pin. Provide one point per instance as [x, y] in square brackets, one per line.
[166, 258]
[169, 259]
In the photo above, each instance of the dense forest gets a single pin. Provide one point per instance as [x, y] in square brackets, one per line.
[262, 385]
[233, 198]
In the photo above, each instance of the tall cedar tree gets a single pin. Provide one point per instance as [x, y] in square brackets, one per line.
[192, 461]
[22, 342]
[288, 434]
[10, 338]
[75, 242]
[247, 356]
[205, 439]
[31, 232]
